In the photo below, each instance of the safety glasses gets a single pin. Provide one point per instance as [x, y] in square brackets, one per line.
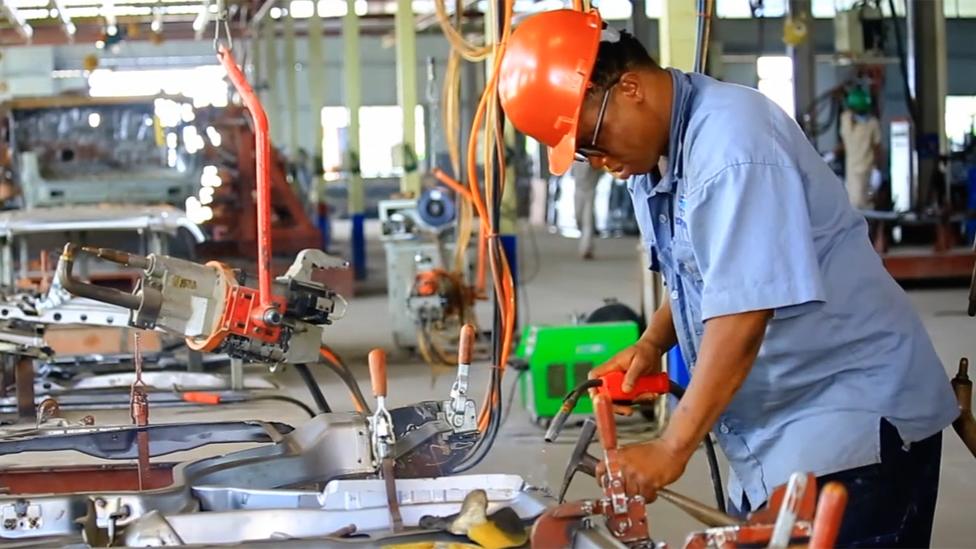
[584, 153]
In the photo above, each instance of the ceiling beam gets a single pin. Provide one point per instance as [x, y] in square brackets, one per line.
[21, 26]
[67, 25]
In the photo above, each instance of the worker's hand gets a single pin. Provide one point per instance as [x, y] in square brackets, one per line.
[647, 467]
[640, 359]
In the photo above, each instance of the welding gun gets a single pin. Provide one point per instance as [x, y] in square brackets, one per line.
[217, 308]
[610, 385]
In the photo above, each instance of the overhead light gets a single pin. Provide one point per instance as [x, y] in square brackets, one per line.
[275, 12]
[94, 119]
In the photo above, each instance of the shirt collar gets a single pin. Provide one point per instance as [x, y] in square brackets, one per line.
[682, 92]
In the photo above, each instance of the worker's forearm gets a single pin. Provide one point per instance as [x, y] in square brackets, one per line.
[729, 348]
[660, 330]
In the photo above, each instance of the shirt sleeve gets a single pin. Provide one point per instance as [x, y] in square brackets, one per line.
[750, 229]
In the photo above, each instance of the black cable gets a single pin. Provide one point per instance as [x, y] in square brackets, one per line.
[280, 398]
[511, 396]
[313, 388]
[346, 376]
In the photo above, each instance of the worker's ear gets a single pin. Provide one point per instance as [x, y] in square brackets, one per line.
[631, 86]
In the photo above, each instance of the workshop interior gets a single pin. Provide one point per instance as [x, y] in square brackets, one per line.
[282, 273]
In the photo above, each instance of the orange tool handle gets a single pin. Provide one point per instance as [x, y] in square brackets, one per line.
[199, 397]
[605, 425]
[830, 514]
[466, 344]
[262, 169]
[612, 386]
[377, 372]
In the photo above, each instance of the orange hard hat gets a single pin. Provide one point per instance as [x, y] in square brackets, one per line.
[544, 76]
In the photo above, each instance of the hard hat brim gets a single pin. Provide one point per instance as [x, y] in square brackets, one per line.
[562, 156]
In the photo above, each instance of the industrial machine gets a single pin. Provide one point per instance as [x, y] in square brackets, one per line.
[424, 297]
[74, 150]
[229, 184]
[793, 515]
[558, 358]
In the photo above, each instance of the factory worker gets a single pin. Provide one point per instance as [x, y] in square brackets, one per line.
[805, 354]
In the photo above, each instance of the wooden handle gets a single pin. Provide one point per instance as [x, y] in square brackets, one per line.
[466, 344]
[377, 372]
[605, 425]
[830, 514]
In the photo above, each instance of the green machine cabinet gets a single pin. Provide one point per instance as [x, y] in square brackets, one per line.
[560, 357]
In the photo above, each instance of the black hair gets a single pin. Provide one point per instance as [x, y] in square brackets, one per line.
[615, 58]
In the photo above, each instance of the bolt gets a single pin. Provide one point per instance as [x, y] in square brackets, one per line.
[10, 524]
[272, 317]
[33, 523]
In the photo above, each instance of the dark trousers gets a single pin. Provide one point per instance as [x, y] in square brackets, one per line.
[890, 504]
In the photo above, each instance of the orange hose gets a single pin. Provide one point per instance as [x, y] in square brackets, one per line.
[454, 184]
[328, 354]
[502, 278]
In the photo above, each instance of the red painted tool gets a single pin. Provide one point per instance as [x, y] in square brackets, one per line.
[612, 386]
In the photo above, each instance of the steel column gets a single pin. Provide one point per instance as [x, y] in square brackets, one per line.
[406, 64]
[804, 65]
[640, 25]
[354, 93]
[291, 86]
[316, 84]
[677, 28]
[316, 101]
[927, 70]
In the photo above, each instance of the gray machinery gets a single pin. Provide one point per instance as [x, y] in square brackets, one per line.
[415, 234]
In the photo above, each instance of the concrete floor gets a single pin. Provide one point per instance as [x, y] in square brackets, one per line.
[562, 286]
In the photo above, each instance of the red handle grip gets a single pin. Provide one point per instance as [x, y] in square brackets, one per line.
[830, 513]
[198, 397]
[612, 387]
[606, 427]
[377, 371]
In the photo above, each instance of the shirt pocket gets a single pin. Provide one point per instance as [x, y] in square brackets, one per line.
[684, 259]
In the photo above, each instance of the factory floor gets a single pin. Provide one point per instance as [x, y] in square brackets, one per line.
[560, 285]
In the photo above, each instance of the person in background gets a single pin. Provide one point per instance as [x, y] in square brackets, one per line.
[860, 133]
[586, 178]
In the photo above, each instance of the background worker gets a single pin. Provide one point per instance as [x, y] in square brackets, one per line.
[860, 133]
[586, 178]
[805, 354]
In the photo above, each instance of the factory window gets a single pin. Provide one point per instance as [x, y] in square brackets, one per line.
[380, 131]
[744, 9]
[776, 80]
[960, 120]
[204, 85]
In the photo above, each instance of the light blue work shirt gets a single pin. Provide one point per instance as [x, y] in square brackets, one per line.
[749, 218]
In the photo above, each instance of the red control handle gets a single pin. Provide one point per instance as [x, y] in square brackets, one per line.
[606, 427]
[612, 387]
[830, 514]
[377, 371]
